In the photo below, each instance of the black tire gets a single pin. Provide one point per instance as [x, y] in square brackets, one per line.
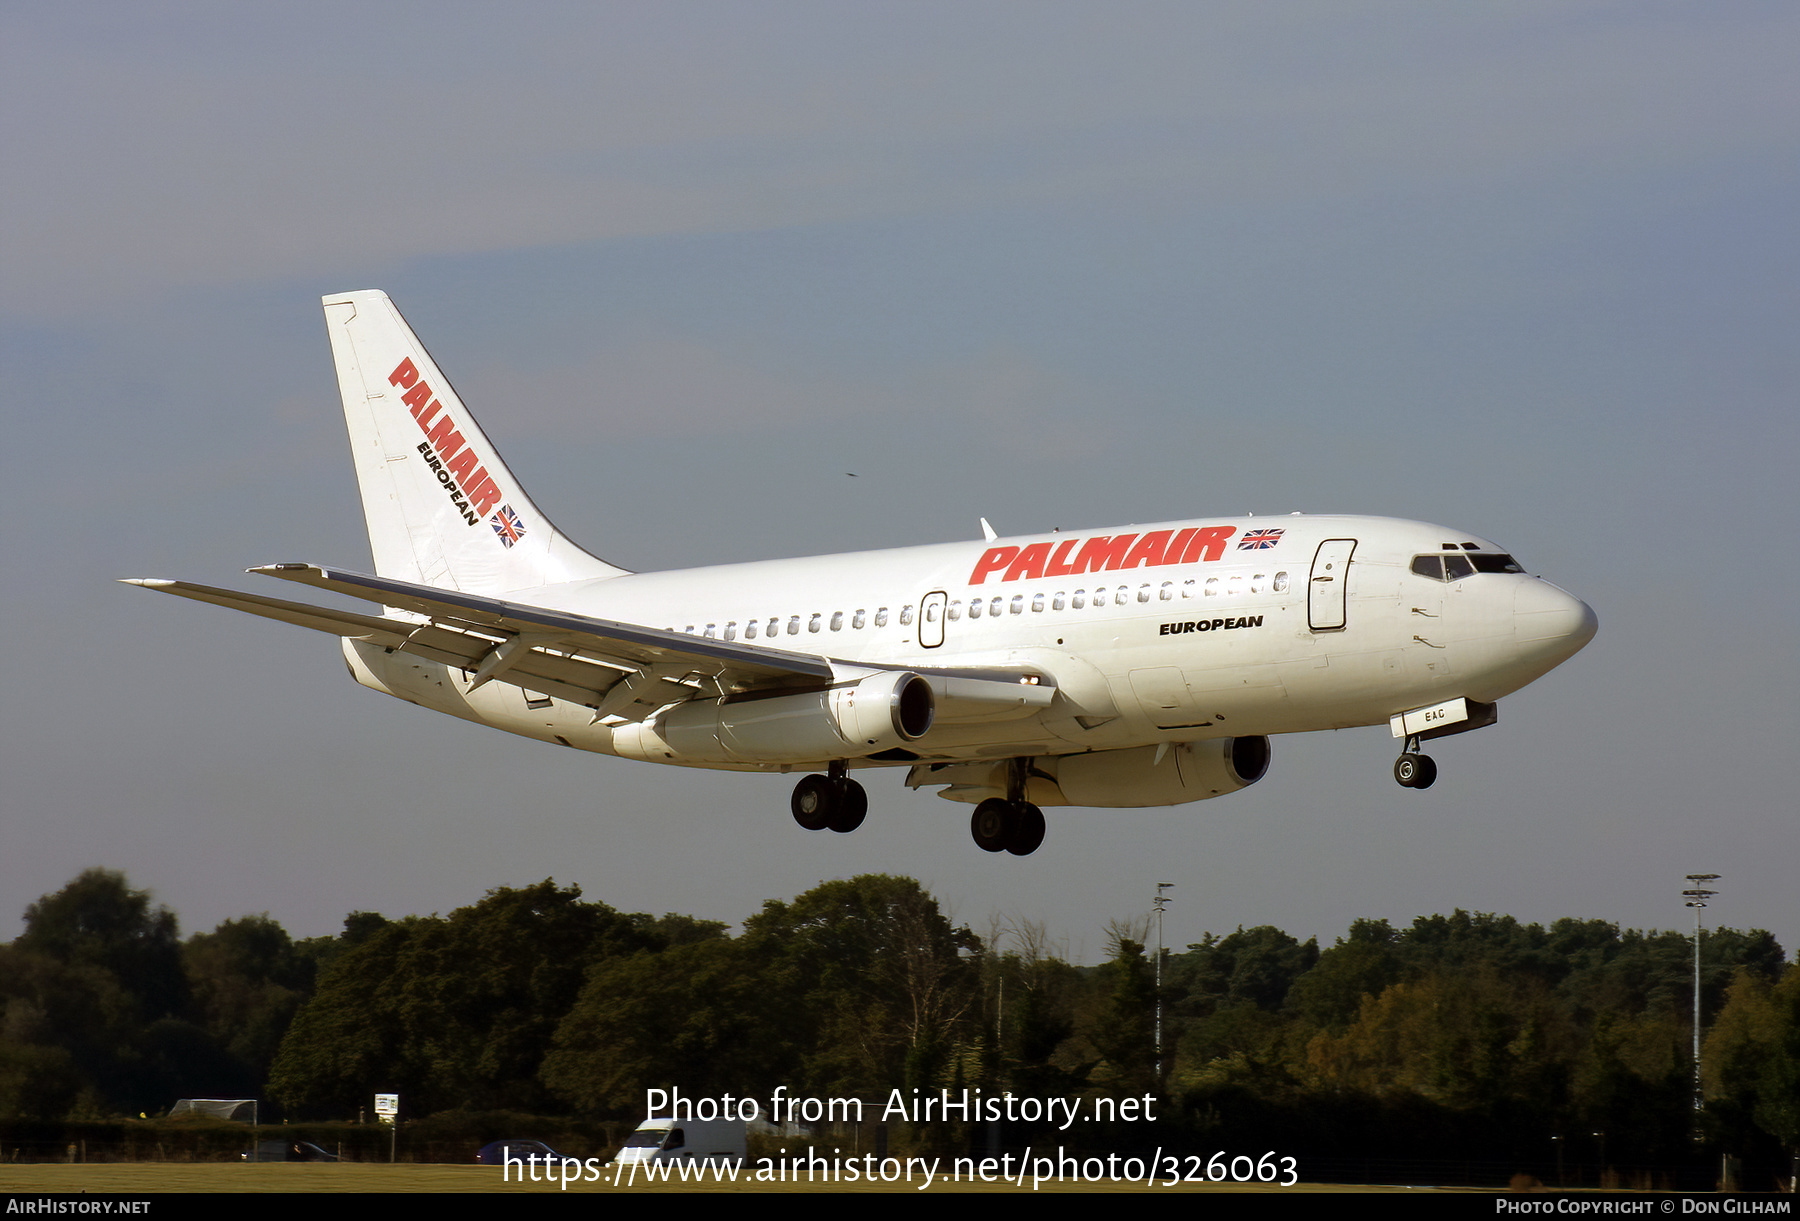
[1427, 774]
[1406, 770]
[992, 824]
[814, 801]
[852, 808]
[1028, 831]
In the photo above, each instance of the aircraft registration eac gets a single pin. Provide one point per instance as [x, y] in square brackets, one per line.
[1139, 666]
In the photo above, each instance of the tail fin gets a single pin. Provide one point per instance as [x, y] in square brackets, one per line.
[441, 507]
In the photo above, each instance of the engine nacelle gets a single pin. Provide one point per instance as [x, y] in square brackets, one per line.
[882, 712]
[1189, 771]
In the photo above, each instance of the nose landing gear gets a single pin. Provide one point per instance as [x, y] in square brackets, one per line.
[1413, 770]
[834, 801]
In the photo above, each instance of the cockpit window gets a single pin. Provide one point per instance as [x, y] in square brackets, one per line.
[1462, 564]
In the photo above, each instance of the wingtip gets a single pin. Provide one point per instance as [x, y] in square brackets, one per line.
[147, 582]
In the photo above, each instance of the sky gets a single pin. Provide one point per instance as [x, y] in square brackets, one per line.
[1528, 270]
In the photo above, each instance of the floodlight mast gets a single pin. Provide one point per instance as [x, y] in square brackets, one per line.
[1161, 900]
[1696, 897]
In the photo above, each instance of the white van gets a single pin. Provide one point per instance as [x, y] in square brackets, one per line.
[668, 1140]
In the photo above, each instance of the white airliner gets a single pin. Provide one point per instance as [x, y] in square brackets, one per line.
[1141, 665]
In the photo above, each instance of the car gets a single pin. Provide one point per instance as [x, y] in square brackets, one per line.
[495, 1153]
[289, 1151]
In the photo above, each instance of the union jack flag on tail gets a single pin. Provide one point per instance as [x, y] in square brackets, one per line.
[1259, 540]
[507, 525]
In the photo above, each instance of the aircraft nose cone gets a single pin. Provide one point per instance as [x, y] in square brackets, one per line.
[1551, 622]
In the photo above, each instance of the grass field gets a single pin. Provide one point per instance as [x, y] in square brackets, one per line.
[151, 1177]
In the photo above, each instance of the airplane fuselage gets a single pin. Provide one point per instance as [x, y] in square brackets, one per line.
[1268, 626]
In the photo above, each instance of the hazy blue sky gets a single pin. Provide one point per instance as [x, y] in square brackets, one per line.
[1527, 269]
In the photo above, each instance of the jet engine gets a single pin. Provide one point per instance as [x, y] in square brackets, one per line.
[1188, 771]
[881, 712]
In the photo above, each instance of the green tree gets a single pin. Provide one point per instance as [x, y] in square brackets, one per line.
[455, 1012]
[1125, 1035]
[247, 979]
[1751, 1059]
[98, 920]
[696, 1015]
[874, 982]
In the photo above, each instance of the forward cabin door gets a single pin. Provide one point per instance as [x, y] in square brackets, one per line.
[1327, 590]
[931, 619]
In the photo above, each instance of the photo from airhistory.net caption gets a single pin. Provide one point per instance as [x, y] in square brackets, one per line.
[812, 1165]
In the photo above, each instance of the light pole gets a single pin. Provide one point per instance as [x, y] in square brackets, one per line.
[1696, 896]
[1161, 900]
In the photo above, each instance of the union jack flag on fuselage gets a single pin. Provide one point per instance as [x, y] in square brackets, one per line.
[1259, 540]
[507, 525]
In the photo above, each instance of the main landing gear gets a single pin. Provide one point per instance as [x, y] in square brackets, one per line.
[1009, 823]
[1413, 770]
[834, 801]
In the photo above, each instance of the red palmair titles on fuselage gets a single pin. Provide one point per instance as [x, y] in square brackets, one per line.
[1105, 553]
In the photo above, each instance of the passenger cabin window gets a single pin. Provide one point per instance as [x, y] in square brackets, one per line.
[731, 630]
[881, 616]
[837, 621]
[1212, 587]
[1281, 582]
[750, 630]
[859, 618]
[974, 608]
[1037, 602]
[794, 626]
[815, 623]
[712, 630]
[906, 614]
[1079, 600]
[1058, 602]
[1167, 592]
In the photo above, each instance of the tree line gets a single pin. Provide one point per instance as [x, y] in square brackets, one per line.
[1461, 1028]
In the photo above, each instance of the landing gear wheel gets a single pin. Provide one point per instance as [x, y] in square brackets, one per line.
[1415, 771]
[992, 824]
[815, 801]
[852, 808]
[1028, 831]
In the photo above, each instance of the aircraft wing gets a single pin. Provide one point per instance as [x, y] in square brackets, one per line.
[618, 669]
